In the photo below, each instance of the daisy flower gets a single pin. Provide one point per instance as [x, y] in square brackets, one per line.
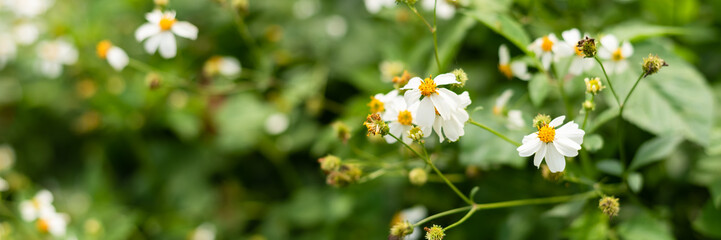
[551, 143]
[510, 68]
[401, 118]
[435, 99]
[452, 128]
[7, 49]
[117, 58]
[205, 231]
[501, 102]
[222, 65]
[375, 6]
[411, 215]
[444, 10]
[53, 223]
[515, 119]
[580, 63]
[25, 33]
[28, 8]
[55, 54]
[160, 31]
[548, 49]
[615, 53]
[380, 102]
[41, 204]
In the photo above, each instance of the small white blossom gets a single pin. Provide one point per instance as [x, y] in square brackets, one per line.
[28, 8]
[54, 54]
[548, 49]
[515, 120]
[41, 204]
[510, 68]
[223, 65]
[615, 53]
[160, 32]
[205, 231]
[276, 123]
[54, 223]
[435, 99]
[401, 118]
[553, 144]
[26, 33]
[375, 6]
[580, 63]
[502, 101]
[117, 58]
[452, 128]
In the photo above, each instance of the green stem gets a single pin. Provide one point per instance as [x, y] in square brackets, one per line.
[442, 214]
[608, 80]
[435, 35]
[585, 118]
[247, 38]
[468, 215]
[494, 132]
[569, 109]
[413, 9]
[621, 147]
[620, 111]
[140, 66]
[435, 169]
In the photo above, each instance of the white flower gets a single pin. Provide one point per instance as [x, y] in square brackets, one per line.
[205, 231]
[223, 65]
[452, 128]
[401, 118]
[553, 144]
[4, 185]
[444, 10]
[55, 54]
[28, 8]
[381, 102]
[53, 223]
[41, 204]
[390, 69]
[159, 32]
[375, 6]
[548, 49]
[511, 68]
[515, 119]
[579, 63]
[276, 123]
[303, 9]
[501, 102]
[617, 54]
[435, 99]
[412, 215]
[26, 33]
[117, 58]
[336, 26]
[8, 50]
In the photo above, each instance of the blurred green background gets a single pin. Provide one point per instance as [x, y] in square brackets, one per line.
[241, 153]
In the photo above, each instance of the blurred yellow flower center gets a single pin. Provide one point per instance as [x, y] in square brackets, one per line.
[546, 133]
[617, 55]
[506, 70]
[36, 203]
[376, 105]
[42, 225]
[103, 48]
[427, 87]
[405, 118]
[579, 51]
[166, 22]
[547, 44]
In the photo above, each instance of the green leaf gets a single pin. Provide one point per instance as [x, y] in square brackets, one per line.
[715, 189]
[643, 226]
[635, 181]
[495, 151]
[449, 42]
[591, 225]
[240, 122]
[637, 30]
[538, 89]
[610, 166]
[655, 150]
[593, 142]
[708, 222]
[504, 25]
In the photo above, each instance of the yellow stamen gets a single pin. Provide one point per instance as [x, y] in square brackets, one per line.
[103, 48]
[376, 105]
[547, 44]
[427, 87]
[405, 118]
[506, 70]
[579, 51]
[42, 225]
[617, 55]
[546, 133]
[166, 22]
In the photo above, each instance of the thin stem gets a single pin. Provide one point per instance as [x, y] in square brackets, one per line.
[468, 215]
[245, 34]
[569, 109]
[435, 35]
[494, 132]
[621, 147]
[620, 111]
[435, 169]
[442, 214]
[585, 118]
[413, 9]
[608, 80]
[140, 66]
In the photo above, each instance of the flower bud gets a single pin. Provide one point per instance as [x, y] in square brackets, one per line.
[400, 230]
[609, 205]
[376, 125]
[344, 175]
[416, 134]
[593, 85]
[461, 76]
[589, 106]
[161, 3]
[541, 120]
[240, 5]
[652, 64]
[402, 80]
[587, 46]
[418, 176]
[342, 131]
[153, 80]
[434, 233]
[329, 163]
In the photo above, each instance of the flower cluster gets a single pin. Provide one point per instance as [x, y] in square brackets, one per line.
[40, 210]
[551, 143]
[339, 174]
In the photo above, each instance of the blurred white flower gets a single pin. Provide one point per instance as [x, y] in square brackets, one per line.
[390, 69]
[26, 33]
[8, 50]
[401, 118]
[501, 102]
[160, 30]
[445, 10]
[548, 49]
[41, 204]
[452, 128]
[435, 99]
[54, 54]
[7, 157]
[223, 65]
[276, 123]
[4, 185]
[616, 54]
[336, 26]
[381, 102]
[511, 68]
[303, 9]
[579, 63]
[553, 144]
[515, 120]
[375, 6]
[117, 58]
[412, 215]
[28, 8]
[205, 231]
[53, 223]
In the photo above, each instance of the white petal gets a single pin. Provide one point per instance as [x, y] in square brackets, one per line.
[446, 78]
[604, 53]
[117, 58]
[51, 69]
[395, 128]
[529, 148]
[426, 114]
[609, 42]
[621, 66]
[185, 29]
[556, 162]
[520, 70]
[437, 126]
[414, 83]
[546, 59]
[44, 197]
[453, 130]
[465, 100]
[230, 66]
[571, 36]
[576, 67]
[168, 48]
[412, 96]
[530, 137]
[504, 55]
[557, 121]
[443, 105]
[146, 30]
[389, 139]
[445, 10]
[538, 158]
[626, 49]
[154, 16]
[565, 147]
[27, 211]
[152, 44]
[373, 6]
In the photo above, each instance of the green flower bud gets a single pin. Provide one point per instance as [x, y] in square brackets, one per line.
[589, 106]
[400, 230]
[587, 46]
[609, 205]
[329, 163]
[652, 64]
[434, 233]
[416, 134]
[461, 76]
[541, 120]
[418, 176]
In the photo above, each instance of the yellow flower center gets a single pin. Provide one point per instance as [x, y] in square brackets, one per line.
[405, 118]
[547, 44]
[546, 133]
[42, 225]
[103, 48]
[617, 55]
[506, 70]
[166, 22]
[579, 51]
[376, 105]
[427, 87]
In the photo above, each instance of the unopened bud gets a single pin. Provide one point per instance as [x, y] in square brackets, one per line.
[593, 85]
[461, 76]
[434, 233]
[589, 106]
[541, 120]
[400, 230]
[587, 46]
[609, 205]
[402, 80]
[652, 64]
[329, 163]
[240, 5]
[153, 80]
[161, 3]
[342, 131]
[418, 176]
[416, 134]
[376, 125]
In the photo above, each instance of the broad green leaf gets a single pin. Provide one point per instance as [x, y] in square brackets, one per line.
[654, 150]
[486, 150]
[706, 170]
[636, 30]
[635, 181]
[538, 89]
[449, 41]
[715, 189]
[610, 166]
[591, 225]
[708, 222]
[240, 122]
[504, 25]
[593, 142]
[643, 226]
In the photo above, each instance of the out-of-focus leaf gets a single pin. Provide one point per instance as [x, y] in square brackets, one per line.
[593, 142]
[708, 222]
[610, 166]
[449, 42]
[636, 30]
[654, 150]
[504, 25]
[706, 170]
[566, 209]
[592, 225]
[240, 122]
[538, 89]
[635, 181]
[643, 226]
[495, 151]
[715, 189]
